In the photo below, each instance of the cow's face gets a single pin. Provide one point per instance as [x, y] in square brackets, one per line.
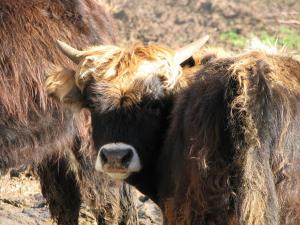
[129, 121]
[129, 95]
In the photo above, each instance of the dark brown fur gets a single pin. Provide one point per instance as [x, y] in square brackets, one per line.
[236, 130]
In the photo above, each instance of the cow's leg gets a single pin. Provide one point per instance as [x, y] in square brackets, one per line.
[61, 190]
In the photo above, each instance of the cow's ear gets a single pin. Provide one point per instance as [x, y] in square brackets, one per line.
[60, 83]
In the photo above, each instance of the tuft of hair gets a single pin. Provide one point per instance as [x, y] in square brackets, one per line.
[60, 81]
[109, 62]
[255, 44]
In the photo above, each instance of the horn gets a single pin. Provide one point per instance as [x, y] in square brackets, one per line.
[187, 51]
[70, 52]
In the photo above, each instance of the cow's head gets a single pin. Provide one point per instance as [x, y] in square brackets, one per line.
[128, 93]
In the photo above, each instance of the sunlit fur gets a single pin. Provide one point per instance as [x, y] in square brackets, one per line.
[28, 33]
[123, 68]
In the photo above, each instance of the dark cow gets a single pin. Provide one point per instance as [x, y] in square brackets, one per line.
[236, 132]
[35, 128]
[231, 146]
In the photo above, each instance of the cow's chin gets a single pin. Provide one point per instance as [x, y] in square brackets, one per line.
[118, 176]
[116, 173]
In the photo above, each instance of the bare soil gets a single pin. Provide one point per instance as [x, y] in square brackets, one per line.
[177, 22]
[21, 202]
[173, 23]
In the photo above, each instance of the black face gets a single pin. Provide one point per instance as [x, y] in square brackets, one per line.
[129, 137]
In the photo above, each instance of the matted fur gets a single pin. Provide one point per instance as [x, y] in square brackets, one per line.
[108, 62]
[125, 69]
[240, 144]
[259, 203]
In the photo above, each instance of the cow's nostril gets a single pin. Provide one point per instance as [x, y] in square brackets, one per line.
[103, 155]
[127, 157]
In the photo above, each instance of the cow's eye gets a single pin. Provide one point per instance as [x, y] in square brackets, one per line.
[153, 107]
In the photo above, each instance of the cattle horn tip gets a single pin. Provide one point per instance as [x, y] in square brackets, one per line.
[189, 50]
[70, 52]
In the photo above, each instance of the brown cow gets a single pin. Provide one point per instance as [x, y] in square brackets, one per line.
[34, 127]
[235, 130]
[231, 149]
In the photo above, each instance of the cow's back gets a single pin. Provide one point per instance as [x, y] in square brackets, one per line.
[236, 131]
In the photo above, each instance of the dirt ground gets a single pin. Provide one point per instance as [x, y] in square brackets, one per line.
[177, 22]
[174, 23]
[21, 202]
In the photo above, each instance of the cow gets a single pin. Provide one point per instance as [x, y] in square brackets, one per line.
[218, 145]
[37, 129]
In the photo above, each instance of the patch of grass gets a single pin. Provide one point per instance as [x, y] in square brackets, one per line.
[267, 38]
[233, 38]
[286, 37]
[289, 37]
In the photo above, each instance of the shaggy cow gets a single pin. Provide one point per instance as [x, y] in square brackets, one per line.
[236, 132]
[32, 126]
[126, 90]
[232, 147]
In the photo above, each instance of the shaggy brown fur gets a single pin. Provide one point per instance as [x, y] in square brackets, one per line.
[121, 71]
[236, 130]
[34, 127]
[28, 32]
